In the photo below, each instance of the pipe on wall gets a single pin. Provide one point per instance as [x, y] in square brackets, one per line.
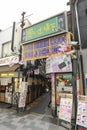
[77, 22]
[79, 38]
[13, 32]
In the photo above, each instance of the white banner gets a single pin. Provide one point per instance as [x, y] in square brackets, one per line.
[23, 95]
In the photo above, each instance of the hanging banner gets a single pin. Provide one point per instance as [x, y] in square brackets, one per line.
[53, 90]
[82, 111]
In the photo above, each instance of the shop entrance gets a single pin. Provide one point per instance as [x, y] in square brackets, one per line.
[39, 85]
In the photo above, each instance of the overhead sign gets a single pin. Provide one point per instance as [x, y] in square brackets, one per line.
[11, 60]
[47, 47]
[60, 63]
[56, 24]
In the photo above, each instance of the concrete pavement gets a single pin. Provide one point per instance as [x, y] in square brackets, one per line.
[37, 116]
[10, 120]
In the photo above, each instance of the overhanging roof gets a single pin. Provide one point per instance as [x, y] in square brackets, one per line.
[8, 68]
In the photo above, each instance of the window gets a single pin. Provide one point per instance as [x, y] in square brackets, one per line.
[6, 49]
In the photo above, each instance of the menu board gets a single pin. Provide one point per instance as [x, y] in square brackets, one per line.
[65, 110]
[82, 111]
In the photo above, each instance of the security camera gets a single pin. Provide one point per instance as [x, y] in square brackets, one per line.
[72, 54]
[74, 43]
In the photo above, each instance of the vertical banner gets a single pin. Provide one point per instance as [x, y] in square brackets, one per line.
[23, 95]
[53, 90]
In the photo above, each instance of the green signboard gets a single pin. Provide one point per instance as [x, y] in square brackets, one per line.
[42, 29]
[45, 28]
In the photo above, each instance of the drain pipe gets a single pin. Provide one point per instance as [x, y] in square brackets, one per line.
[13, 32]
[79, 38]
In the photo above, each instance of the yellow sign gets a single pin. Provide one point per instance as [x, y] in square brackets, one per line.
[7, 74]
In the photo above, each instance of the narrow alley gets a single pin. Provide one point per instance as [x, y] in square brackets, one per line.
[37, 117]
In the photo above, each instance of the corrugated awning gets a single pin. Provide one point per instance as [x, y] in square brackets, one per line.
[8, 68]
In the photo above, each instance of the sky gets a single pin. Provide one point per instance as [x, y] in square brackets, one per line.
[36, 10]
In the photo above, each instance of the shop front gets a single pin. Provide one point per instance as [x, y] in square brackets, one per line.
[60, 68]
[50, 40]
[9, 78]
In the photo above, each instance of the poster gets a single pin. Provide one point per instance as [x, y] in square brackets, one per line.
[23, 94]
[64, 82]
[82, 111]
[60, 63]
[65, 110]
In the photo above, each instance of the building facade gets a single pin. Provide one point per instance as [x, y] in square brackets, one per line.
[79, 29]
[10, 42]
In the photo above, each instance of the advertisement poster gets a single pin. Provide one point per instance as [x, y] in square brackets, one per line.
[23, 95]
[82, 111]
[65, 110]
[64, 82]
[60, 63]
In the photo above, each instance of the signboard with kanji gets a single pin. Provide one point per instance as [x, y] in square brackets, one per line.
[52, 46]
[55, 24]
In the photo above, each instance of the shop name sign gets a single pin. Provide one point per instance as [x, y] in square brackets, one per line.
[46, 47]
[56, 24]
[9, 60]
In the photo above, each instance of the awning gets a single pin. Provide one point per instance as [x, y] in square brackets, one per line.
[8, 68]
